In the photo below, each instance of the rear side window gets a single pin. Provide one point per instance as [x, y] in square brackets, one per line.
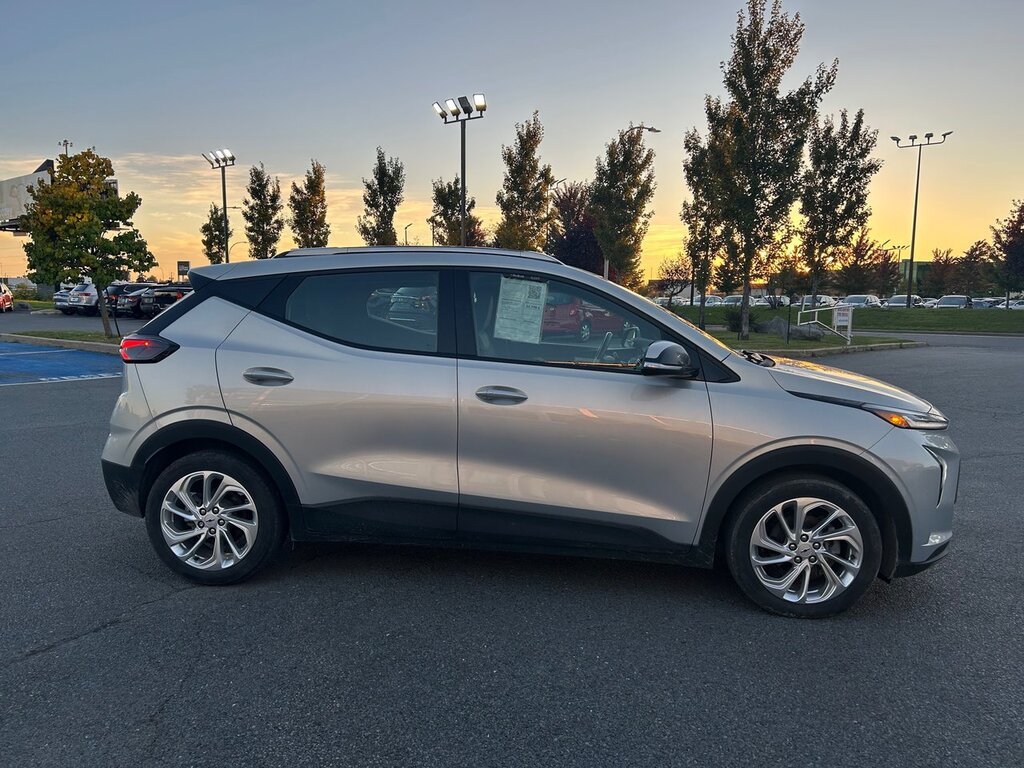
[391, 310]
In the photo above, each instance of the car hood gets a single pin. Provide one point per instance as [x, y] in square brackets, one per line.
[805, 378]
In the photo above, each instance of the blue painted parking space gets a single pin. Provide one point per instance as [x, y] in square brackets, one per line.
[31, 364]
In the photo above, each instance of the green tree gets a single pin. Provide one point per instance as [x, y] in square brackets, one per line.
[788, 276]
[69, 221]
[446, 218]
[759, 134]
[973, 274]
[525, 194]
[834, 200]
[384, 192]
[705, 235]
[622, 190]
[675, 275]
[942, 274]
[862, 266]
[213, 235]
[1007, 257]
[728, 274]
[571, 238]
[262, 213]
[308, 205]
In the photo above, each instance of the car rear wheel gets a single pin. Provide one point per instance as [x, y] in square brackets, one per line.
[214, 518]
[803, 547]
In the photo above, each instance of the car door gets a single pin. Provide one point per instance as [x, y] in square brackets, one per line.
[361, 408]
[562, 440]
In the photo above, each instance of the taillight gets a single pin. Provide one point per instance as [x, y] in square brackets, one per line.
[145, 349]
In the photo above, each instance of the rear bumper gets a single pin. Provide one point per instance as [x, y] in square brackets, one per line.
[122, 487]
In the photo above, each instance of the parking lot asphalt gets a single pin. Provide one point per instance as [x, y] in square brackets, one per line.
[347, 655]
[22, 320]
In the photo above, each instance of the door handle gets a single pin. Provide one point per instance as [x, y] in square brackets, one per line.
[267, 377]
[501, 395]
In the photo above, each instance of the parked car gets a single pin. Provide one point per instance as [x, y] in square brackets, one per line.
[928, 303]
[568, 314]
[6, 298]
[953, 302]
[712, 301]
[861, 300]
[899, 301]
[129, 304]
[60, 301]
[84, 299]
[153, 301]
[732, 301]
[115, 291]
[1014, 304]
[823, 301]
[316, 419]
[414, 306]
[982, 303]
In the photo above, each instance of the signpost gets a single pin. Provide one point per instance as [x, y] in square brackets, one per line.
[183, 268]
[842, 318]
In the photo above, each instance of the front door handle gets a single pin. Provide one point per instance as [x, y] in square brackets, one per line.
[501, 395]
[267, 377]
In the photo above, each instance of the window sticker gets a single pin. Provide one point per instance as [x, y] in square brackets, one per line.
[520, 314]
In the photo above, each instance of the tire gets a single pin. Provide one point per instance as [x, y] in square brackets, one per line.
[252, 499]
[583, 334]
[842, 557]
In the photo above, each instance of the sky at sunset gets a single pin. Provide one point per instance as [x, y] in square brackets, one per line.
[152, 85]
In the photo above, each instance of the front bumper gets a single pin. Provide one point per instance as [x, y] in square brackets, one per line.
[909, 569]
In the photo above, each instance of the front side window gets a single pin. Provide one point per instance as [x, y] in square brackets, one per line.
[393, 310]
[531, 319]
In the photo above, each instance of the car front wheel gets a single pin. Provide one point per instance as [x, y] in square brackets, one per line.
[214, 518]
[803, 547]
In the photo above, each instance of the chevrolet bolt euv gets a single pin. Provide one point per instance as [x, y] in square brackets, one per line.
[425, 396]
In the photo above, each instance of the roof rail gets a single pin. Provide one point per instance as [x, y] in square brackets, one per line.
[414, 249]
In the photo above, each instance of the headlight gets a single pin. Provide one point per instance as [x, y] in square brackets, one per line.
[909, 419]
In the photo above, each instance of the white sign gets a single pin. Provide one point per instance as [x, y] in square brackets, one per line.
[842, 317]
[14, 194]
[520, 314]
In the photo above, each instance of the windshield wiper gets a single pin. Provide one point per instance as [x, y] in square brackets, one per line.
[757, 358]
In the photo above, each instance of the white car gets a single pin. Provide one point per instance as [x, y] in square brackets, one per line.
[860, 300]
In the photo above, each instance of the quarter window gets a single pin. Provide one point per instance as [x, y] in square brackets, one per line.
[394, 310]
[525, 318]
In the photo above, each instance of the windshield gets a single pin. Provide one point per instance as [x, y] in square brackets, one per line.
[952, 301]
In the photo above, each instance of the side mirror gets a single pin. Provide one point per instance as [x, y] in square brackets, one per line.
[666, 358]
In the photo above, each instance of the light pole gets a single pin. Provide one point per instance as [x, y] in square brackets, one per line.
[65, 143]
[461, 112]
[917, 188]
[631, 129]
[407, 233]
[223, 159]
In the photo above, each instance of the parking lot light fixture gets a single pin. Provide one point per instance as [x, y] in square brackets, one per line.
[452, 112]
[222, 159]
[917, 189]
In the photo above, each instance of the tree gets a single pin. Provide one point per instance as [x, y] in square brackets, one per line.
[704, 232]
[525, 194]
[834, 200]
[759, 134]
[623, 188]
[446, 218]
[863, 266]
[1007, 257]
[788, 276]
[214, 239]
[308, 205]
[571, 238]
[262, 213]
[381, 198]
[728, 274]
[942, 273]
[675, 275]
[973, 274]
[69, 220]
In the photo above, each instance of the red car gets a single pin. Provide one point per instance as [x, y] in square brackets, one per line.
[567, 314]
[6, 298]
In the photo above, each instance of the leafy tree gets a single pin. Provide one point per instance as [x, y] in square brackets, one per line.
[788, 276]
[886, 274]
[525, 194]
[571, 238]
[675, 275]
[446, 218]
[213, 236]
[759, 134]
[863, 266]
[308, 205]
[262, 213]
[623, 188]
[728, 272]
[834, 200]
[705, 238]
[1007, 258]
[383, 194]
[942, 274]
[69, 220]
[973, 275]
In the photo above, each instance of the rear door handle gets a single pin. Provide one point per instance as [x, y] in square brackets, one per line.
[501, 395]
[267, 377]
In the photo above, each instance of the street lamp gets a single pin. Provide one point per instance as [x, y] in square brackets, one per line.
[917, 188]
[461, 112]
[407, 232]
[223, 159]
[631, 129]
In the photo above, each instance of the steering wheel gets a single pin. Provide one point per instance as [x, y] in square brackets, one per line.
[605, 343]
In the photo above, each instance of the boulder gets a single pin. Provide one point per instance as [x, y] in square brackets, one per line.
[778, 326]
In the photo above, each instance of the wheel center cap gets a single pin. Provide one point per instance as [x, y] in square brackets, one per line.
[210, 520]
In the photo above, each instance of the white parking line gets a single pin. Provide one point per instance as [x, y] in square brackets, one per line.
[40, 352]
[62, 379]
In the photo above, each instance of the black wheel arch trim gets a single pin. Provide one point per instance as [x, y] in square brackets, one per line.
[860, 475]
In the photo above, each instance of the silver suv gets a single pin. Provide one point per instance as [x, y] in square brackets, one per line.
[444, 396]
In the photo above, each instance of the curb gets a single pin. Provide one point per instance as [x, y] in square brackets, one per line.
[42, 341]
[873, 331]
[826, 351]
